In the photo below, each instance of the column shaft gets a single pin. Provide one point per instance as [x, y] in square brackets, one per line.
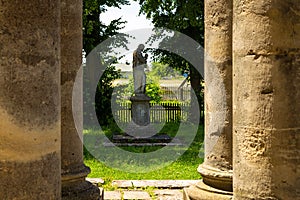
[30, 99]
[217, 167]
[74, 171]
[266, 95]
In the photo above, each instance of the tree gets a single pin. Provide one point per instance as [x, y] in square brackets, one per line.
[162, 70]
[95, 32]
[104, 95]
[185, 16]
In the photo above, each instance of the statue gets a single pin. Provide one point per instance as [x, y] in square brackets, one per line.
[139, 76]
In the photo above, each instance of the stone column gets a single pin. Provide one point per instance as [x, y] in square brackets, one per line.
[74, 171]
[216, 170]
[266, 112]
[30, 99]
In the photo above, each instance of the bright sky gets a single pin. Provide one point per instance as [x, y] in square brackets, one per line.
[129, 13]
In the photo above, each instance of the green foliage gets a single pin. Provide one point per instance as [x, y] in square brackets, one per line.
[154, 92]
[152, 88]
[162, 70]
[186, 16]
[95, 31]
[129, 89]
[104, 95]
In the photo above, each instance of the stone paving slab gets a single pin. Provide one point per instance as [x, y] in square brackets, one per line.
[168, 194]
[142, 195]
[154, 183]
[112, 195]
[95, 181]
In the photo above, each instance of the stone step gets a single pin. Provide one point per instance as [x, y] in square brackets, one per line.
[156, 140]
[166, 189]
[112, 195]
[131, 139]
[109, 144]
[143, 195]
[168, 194]
[170, 184]
[95, 181]
[165, 194]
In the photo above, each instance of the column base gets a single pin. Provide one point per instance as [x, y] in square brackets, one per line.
[75, 187]
[83, 190]
[219, 179]
[201, 191]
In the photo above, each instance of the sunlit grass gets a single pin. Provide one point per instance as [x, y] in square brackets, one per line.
[184, 167]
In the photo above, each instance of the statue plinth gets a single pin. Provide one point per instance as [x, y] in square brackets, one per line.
[140, 109]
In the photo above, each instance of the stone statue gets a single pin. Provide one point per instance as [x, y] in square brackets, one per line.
[139, 76]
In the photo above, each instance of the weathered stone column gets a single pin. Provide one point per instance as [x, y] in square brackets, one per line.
[266, 112]
[217, 167]
[74, 171]
[30, 99]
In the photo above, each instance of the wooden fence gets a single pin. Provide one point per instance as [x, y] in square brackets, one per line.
[159, 113]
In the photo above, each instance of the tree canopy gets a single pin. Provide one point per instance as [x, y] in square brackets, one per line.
[94, 30]
[185, 16]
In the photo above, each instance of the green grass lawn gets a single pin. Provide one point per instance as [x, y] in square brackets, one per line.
[184, 167]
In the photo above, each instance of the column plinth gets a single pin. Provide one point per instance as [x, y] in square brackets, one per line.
[214, 177]
[75, 187]
[202, 191]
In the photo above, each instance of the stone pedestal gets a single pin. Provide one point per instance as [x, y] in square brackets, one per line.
[140, 109]
[73, 173]
[266, 93]
[30, 99]
[216, 170]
